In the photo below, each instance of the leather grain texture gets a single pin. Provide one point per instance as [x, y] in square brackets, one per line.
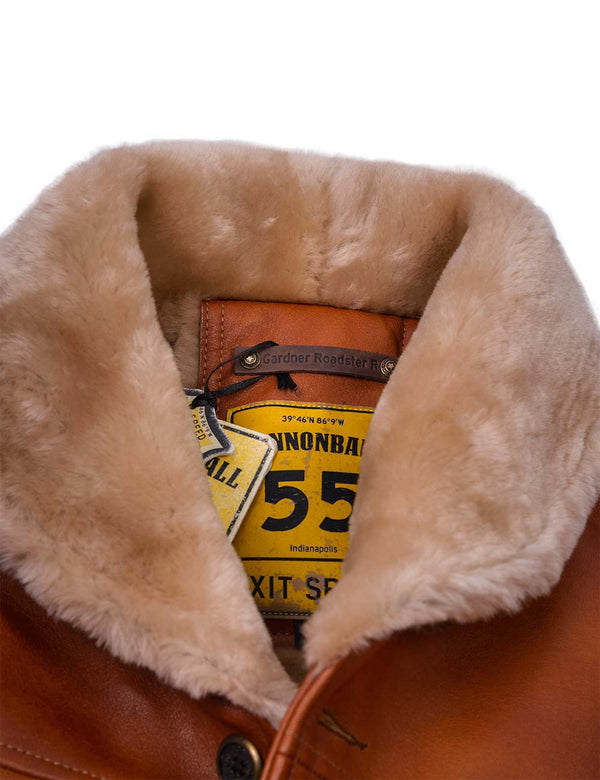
[514, 697]
[225, 325]
[69, 709]
[72, 710]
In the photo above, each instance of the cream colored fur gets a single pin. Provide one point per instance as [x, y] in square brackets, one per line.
[481, 464]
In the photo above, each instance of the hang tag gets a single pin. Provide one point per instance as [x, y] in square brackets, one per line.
[234, 480]
[295, 536]
[212, 439]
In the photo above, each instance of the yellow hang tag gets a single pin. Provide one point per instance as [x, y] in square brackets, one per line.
[235, 479]
[295, 536]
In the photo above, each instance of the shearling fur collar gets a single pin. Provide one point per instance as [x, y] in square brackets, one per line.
[490, 423]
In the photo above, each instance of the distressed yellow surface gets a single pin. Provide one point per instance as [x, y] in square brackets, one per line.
[235, 478]
[290, 558]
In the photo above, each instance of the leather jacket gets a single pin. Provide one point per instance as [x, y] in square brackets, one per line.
[461, 640]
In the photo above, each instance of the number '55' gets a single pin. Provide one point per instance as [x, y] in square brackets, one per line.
[331, 493]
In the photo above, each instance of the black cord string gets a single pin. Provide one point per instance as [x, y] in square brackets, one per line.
[206, 395]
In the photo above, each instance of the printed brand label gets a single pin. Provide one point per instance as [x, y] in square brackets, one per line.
[209, 430]
[319, 360]
[295, 535]
[235, 479]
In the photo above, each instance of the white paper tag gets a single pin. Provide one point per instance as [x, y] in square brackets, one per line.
[212, 439]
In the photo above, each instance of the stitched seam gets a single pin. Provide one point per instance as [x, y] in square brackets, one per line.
[50, 761]
[204, 340]
[300, 738]
[305, 766]
[331, 689]
[222, 339]
[403, 334]
[307, 745]
[310, 405]
[322, 756]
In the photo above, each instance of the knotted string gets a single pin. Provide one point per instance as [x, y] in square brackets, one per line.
[208, 396]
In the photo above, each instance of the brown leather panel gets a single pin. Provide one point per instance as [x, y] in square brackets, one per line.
[514, 697]
[69, 709]
[282, 632]
[225, 325]
[8, 774]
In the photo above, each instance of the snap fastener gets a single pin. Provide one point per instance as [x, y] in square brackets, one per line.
[387, 366]
[238, 759]
[251, 360]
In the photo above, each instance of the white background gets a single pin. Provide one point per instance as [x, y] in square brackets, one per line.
[506, 87]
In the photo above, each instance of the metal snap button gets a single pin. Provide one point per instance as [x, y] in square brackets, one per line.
[238, 759]
[251, 360]
[387, 366]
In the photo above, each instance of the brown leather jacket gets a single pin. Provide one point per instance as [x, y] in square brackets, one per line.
[515, 697]
[462, 639]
